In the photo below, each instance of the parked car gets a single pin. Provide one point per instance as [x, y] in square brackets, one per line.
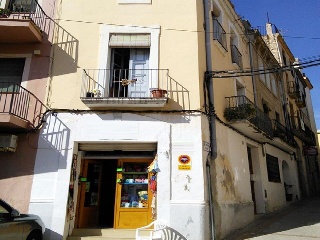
[14, 225]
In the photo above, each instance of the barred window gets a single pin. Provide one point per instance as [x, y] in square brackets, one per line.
[273, 169]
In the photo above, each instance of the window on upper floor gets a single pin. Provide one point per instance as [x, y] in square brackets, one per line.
[11, 73]
[22, 5]
[277, 116]
[273, 168]
[130, 64]
[261, 70]
[240, 89]
[284, 58]
[236, 56]
[219, 34]
[274, 88]
[127, 66]
[268, 80]
[265, 106]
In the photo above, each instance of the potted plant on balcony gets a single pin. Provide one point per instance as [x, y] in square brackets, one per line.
[4, 13]
[94, 93]
[158, 93]
[243, 111]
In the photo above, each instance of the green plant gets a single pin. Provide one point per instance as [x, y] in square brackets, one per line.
[4, 12]
[243, 111]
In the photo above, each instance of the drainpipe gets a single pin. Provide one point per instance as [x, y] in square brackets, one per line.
[211, 117]
[251, 69]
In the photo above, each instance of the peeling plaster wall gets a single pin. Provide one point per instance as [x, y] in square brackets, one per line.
[233, 204]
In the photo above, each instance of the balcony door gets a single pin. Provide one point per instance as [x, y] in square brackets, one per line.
[138, 65]
[130, 64]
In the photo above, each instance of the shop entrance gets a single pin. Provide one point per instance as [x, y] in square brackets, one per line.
[133, 195]
[114, 194]
[97, 186]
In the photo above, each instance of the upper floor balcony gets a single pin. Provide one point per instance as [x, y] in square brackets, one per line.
[20, 110]
[301, 101]
[302, 128]
[247, 118]
[236, 56]
[219, 34]
[23, 21]
[125, 87]
[293, 90]
[283, 137]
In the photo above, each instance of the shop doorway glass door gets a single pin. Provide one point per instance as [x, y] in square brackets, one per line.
[90, 187]
[133, 195]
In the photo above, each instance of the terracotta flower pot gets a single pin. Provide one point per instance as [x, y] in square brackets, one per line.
[158, 93]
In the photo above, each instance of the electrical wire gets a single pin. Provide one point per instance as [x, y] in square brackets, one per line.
[243, 73]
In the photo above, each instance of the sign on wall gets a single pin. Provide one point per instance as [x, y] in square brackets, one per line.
[184, 162]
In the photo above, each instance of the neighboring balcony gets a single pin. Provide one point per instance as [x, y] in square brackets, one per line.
[301, 101]
[219, 34]
[125, 87]
[236, 56]
[293, 90]
[23, 21]
[302, 128]
[20, 110]
[247, 118]
[283, 137]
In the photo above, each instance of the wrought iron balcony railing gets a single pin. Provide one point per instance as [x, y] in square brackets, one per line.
[29, 9]
[283, 133]
[241, 108]
[125, 83]
[302, 128]
[293, 90]
[301, 101]
[219, 34]
[236, 56]
[21, 103]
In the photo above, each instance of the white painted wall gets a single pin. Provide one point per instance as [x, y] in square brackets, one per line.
[275, 191]
[181, 195]
[234, 206]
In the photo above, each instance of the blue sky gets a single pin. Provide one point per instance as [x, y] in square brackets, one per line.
[299, 22]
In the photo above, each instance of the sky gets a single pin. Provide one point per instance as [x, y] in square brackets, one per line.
[299, 23]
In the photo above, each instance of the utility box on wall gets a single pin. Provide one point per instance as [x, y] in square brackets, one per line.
[8, 143]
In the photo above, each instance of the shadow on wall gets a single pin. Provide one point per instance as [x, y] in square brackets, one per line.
[179, 95]
[169, 233]
[66, 51]
[53, 145]
[51, 235]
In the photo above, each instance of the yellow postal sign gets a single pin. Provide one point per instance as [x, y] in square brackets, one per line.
[184, 162]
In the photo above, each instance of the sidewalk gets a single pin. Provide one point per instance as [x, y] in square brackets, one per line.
[297, 221]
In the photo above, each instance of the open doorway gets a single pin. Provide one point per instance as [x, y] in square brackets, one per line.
[96, 193]
[129, 72]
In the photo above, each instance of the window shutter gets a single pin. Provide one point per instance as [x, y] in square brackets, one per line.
[130, 40]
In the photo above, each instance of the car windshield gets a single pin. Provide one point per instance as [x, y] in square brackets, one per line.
[3, 210]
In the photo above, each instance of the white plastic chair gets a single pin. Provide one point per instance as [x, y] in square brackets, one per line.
[154, 230]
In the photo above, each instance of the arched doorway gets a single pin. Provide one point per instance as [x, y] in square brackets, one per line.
[287, 180]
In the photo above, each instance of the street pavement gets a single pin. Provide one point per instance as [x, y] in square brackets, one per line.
[298, 221]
